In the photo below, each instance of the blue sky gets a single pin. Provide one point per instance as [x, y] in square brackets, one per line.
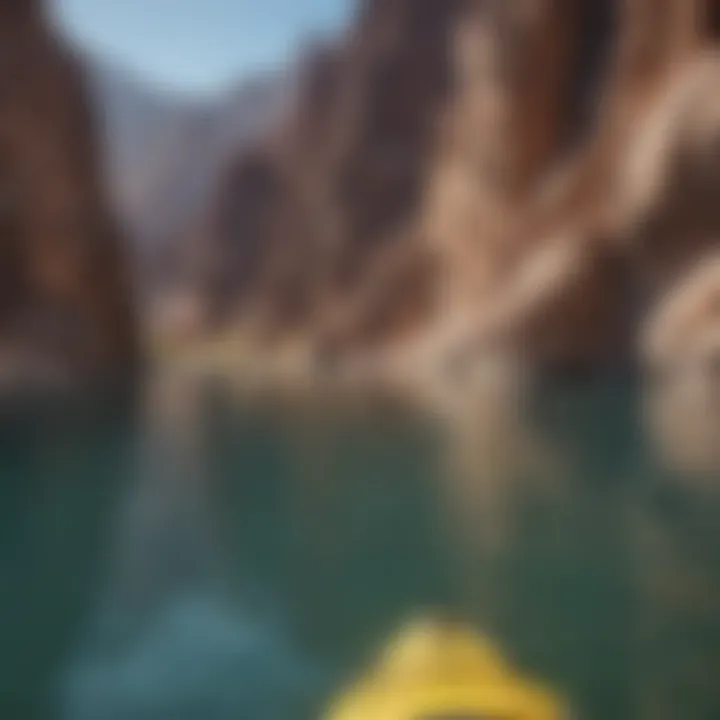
[197, 45]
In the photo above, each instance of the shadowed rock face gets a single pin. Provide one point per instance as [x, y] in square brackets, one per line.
[164, 153]
[353, 158]
[64, 303]
[522, 165]
[243, 216]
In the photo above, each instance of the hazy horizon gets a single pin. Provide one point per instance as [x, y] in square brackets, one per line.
[202, 49]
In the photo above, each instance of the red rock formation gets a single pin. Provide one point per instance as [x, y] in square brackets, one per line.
[457, 151]
[581, 204]
[64, 300]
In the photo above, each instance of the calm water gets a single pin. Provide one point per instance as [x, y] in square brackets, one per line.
[222, 558]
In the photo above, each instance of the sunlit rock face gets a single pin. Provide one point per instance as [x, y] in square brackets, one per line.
[522, 171]
[667, 196]
[64, 303]
[550, 219]
[682, 345]
[684, 331]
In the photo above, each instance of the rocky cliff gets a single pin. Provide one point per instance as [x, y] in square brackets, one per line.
[164, 153]
[64, 302]
[349, 169]
[459, 176]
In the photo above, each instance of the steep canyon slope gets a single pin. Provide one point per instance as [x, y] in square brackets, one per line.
[524, 176]
[65, 305]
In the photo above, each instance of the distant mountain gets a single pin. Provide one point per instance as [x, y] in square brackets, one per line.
[164, 151]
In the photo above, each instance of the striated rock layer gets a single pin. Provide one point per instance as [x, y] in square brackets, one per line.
[64, 302]
[460, 176]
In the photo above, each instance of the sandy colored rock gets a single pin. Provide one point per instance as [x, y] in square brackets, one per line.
[683, 332]
[681, 344]
[668, 195]
[524, 176]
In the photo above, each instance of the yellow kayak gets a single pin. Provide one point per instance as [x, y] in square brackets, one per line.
[434, 671]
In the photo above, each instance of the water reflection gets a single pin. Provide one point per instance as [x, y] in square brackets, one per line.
[171, 637]
[242, 557]
[197, 656]
[60, 470]
[677, 625]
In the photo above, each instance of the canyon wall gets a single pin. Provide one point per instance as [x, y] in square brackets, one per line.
[530, 176]
[65, 304]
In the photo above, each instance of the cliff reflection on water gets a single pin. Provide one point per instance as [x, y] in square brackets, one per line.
[230, 556]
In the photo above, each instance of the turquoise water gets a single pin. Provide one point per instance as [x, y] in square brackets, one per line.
[222, 558]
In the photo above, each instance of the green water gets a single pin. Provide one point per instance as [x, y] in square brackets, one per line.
[232, 559]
